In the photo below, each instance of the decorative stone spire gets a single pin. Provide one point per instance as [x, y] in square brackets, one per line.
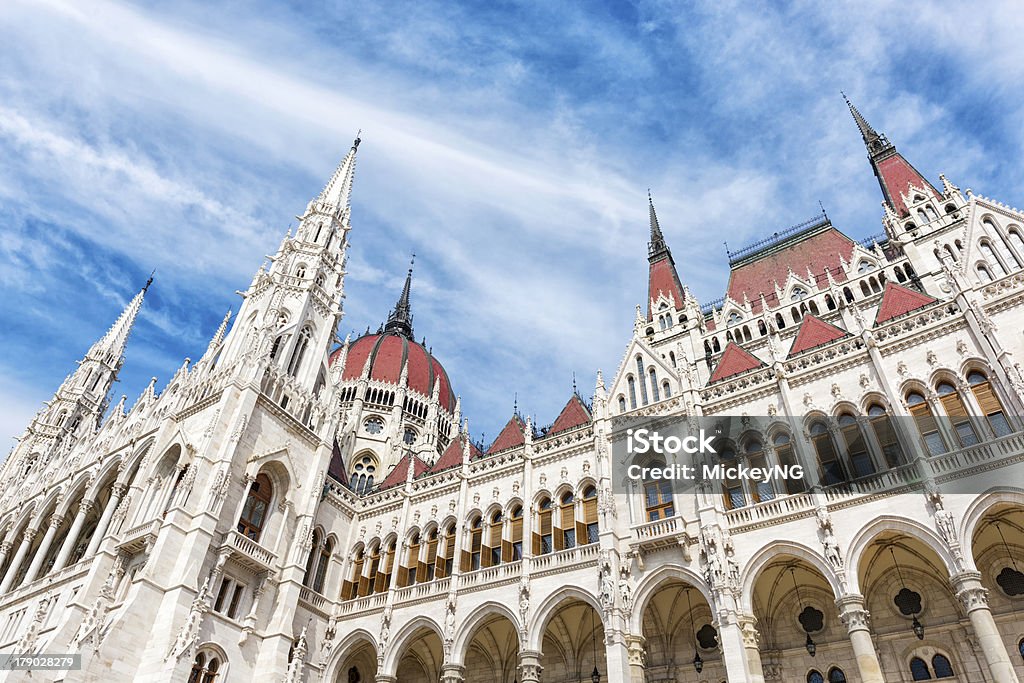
[400, 319]
[656, 248]
[111, 345]
[663, 279]
[338, 191]
[876, 142]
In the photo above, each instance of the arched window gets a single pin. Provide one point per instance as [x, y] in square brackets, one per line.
[492, 552]
[374, 577]
[957, 412]
[848, 295]
[275, 348]
[300, 270]
[429, 565]
[1016, 242]
[942, 667]
[886, 435]
[784, 454]
[363, 472]
[412, 561]
[983, 273]
[926, 423]
[254, 511]
[952, 254]
[543, 538]
[732, 487]
[715, 345]
[349, 588]
[865, 266]
[565, 538]
[389, 567]
[471, 558]
[828, 459]
[446, 563]
[299, 352]
[516, 534]
[666, 390]
[989, 403]
[919, 670]
[622, 403]
[864, 289]
[836, 675]
[590, 531]
[814, 676]
[658, 498]
[1020, 648]
[754, 453]
[640, 376]
[989, 255]
[311, 560]
[734, 318]
[205, 668]
[830, 303]
[856, 445]
[631, 384]
[654, 384]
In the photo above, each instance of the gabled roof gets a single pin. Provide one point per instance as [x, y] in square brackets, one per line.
[574, 414]
[664, 279]
[818, 252]
[401, 471]
[734, 360]
[896, 176]
[511, 435]
[898, 300]
[813, 333]
[452, 456]
[336, 468]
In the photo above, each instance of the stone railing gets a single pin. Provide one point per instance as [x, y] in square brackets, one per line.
[565, 559]
[487, 575]
[248, 552]
[135, 538]
[958, 464]
[754, 516]
[366, 603]
[661, 527]
[315, 601]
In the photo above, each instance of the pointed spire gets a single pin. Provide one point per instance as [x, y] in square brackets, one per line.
[400, 319]
[338, 190]
[113, 343]
[218, 338]
[656, 247]
[874, 141]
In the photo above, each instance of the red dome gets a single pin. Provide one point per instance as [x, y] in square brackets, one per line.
[388, 353]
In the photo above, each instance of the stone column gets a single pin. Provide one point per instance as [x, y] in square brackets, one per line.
[529, 666]
[748, 626]
[616, 660]
[69, 541]
[19, 557]
[116, 491]
[734, 651]
[452, 673]
[5, 550]
[637, 658]
[384, 678]
[853, 614]
[974, 598]
[43, 549]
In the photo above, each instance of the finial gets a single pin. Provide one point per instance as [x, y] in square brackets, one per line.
[574, 382]
[145, 287]
[823, 212]
[515, 403]
[355, 143]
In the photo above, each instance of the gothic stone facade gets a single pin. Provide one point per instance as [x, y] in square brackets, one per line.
[288, 508]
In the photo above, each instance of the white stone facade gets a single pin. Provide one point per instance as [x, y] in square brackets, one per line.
[215, 531]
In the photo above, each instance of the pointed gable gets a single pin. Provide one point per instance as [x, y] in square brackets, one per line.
[401, 471]
[898, 300]
[664, 280]
[336, 468]
[574, 414]
[813, 333]
[734, 360]
[511, 436]
[452, 456]
[896, 176]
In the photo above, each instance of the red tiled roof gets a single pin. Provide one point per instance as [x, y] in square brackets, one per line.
[663, 280]
[388, 352]
[511, 435]
[734, 360]
[573, 414]
[813, 333]
[336, 468]
[401, 471]
[816, 252]
[452, 456]
[895, 174]
[898, 300]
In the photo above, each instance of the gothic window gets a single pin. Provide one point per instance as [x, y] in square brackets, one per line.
[349, 589]
[864, 289]
[205, 668]
[543, 541]
[848, 295]
[622, 403]
[446, 562]
[780, 322]
[666, 390]
[475, 544]
[991, 408]
[228, 597]
[798, 293]
[516, 535]
[631, 384]
[828, 459]
[374, 425]
[300, 270]
[658, 498]
[983, 273]
[716, 347]
[926, 423]
[732, 488]
[323, 561]
[784, 454]
[565, 537]
[865, 266]
[314, 551]
[389, 567]
[735, 317]
[254, 511]
[412, 561]
[640, 374]
[942, 667]
[654, 384]
[814, 676]
[836, 675]
[754, 453]
[363, 472]
[589, 523]
[1016, 242]
[919, 670]
[299, 352]
[492, 553]
[409, 437]
[990, 256]
[856, 445]
[960, 421]
[368, 583]
[428, 568]
[885, 433]
[275, 348]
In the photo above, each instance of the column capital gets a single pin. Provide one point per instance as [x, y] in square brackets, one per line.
[117, 490]
[748, 627]
[852, 612]
[384, 678]
[5, 547]
[637, 652]
[529, 666]
[56, 520]
[85, 505]
[30, 534]
[453, 673]
[969, 590]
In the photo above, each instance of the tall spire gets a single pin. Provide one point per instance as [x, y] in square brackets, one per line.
[338, 191]
[876, 142]
[112, 344]
[400, 319]
[656, 247]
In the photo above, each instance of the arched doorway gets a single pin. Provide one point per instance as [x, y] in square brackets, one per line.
[358, 662]
[997, 545]
[573, 643]
[492, 655]
[680, 641]
[421, 658]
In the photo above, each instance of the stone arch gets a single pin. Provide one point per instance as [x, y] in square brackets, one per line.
[543, 614]
[47, 507]
[771, 551]
[980, 507]
[650, 584]
[346, 645]
[863, 539]
[394, 650]
[464, 636]
[77, 490]
[872, 397]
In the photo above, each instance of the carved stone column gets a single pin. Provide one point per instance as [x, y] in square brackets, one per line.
[853, 614]
[19, 557]
[974, 598]
[748, 627]
[453, 673]
[116, 491]
[44, 548]
[384, 678]
[72, 538]
[637, 658]
[529, 666]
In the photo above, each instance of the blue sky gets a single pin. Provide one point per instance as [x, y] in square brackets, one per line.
[509, 145]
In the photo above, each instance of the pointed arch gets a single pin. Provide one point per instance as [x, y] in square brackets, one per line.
[400, 641]
[464, 634]
[653, 581]
[547, 608]
[867, 534]
[771, 551]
